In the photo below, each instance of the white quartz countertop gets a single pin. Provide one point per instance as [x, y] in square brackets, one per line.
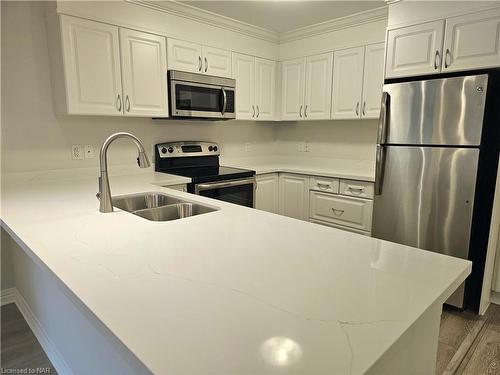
[342, 168]
[236, 291]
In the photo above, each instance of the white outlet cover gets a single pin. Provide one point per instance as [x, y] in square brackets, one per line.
[77, 152]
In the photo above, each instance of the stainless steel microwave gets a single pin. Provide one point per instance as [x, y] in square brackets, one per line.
[201, 96]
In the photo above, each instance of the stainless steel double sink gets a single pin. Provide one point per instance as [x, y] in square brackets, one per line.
[160, 207]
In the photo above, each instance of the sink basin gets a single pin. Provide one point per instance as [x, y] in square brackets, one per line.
[160, 207]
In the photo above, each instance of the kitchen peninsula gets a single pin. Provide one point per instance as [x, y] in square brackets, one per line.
[234, 291]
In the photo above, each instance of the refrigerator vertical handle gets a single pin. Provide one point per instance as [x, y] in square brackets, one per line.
[379, 169]
[382, 124]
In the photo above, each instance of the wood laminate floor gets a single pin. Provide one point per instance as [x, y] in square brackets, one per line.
[468, 344]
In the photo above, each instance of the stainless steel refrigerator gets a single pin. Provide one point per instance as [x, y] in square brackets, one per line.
[436, 165]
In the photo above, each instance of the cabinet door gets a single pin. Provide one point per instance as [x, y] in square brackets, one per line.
[265, 84]
[414, 50]
[92, 67]
[267, 193]
[216, 62]
[472, 41]
[184, 56]
[318, 92]
[144, 70]
[292, 89]
[243, 73]
[294, 196]
[373, 79]
[347, 83]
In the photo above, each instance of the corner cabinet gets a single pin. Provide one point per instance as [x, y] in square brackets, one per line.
[107, 70]
[267, 192]
[294, 196]
[195, 58]
[255, 87]
[460, 43]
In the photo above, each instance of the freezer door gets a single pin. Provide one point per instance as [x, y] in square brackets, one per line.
[445, 111]
[426, 198]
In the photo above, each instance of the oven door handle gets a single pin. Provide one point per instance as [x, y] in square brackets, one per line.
[224, 184]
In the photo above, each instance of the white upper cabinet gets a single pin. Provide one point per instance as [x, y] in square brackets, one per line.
[216, 61]
[414, 50]
[472, 41]
[292, 86]
[373, 79]
[243, 73]
[265, 89]
[195, 58]
[347, 83]
[144, 68]
[184, 56]
[91, 58]
[318, 89]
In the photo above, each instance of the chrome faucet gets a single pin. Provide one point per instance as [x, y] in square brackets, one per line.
[104, 195]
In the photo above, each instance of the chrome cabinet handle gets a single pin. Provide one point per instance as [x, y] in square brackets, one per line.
[224, 104]
[364, 108]
[253, 111]
[119, 103]
[357, 190]
[206, 64]
[357, 109]
[436, 60]
[200, 64]
[127, 104]
[305, 111]
[447, 54]
[258, 111]
[300, 111]
[337, 212]
[323, 186]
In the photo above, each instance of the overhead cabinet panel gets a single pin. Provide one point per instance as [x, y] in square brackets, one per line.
[318, 90]
[472, 41]
[243, 73]
[373, 79]
[415, 50]
[216, 61]
[265, 89]
[293, 81]
[92, 67]
[184, 56]
[347, 83]
[144, 66]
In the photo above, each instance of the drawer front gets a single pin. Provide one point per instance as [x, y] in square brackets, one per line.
[329, 185]
[350, 212]
[360, 189]
[326, 224]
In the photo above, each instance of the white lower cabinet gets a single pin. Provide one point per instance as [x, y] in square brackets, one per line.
[266, 198]
[294, 196]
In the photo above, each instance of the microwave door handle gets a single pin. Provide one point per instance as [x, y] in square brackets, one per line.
[224, 101]
[224, 184]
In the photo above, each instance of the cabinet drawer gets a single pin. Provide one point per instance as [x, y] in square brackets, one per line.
[350, 212]
[360, 189]
[324, 223]
[329, 185]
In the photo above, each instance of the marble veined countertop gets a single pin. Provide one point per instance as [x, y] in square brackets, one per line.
[235, 291]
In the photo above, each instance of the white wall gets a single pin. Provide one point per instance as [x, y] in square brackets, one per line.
[34, 138]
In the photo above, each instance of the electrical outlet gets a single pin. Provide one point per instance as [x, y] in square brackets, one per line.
[248, 147]
[307, 147]
[77, 152]
[302, 147]
[89, 152]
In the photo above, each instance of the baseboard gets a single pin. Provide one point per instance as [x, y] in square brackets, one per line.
[11, 295]
[495, 297]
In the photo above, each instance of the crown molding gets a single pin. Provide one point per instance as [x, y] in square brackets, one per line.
[209, 18]
[356, 19]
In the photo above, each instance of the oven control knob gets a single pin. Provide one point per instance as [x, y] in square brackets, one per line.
[215, 148]
[163, 150]
[170, 150]
[210, 148]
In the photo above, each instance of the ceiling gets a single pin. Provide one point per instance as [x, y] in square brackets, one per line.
[281, 16]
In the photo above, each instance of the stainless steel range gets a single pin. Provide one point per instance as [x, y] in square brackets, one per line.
[200, 162]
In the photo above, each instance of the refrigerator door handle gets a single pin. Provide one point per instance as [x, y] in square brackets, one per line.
[379, 169]
[382, 124]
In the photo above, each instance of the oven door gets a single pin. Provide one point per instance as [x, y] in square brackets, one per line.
[190, 99]
[241, 192]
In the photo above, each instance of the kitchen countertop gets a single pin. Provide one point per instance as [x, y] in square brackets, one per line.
[236, 291]
[363, 170]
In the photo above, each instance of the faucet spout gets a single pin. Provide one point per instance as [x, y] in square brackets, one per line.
[104, 195]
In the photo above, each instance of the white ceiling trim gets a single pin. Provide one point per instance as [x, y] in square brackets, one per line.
[214, 19]
[356, 19]
[210, 18]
